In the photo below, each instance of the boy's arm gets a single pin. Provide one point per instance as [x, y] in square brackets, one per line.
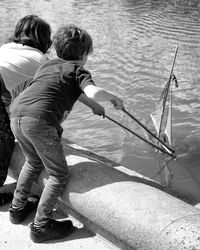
[93, 92]
[98, 94]
[96, 108]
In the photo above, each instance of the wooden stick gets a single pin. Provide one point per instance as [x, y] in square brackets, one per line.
[157, 147]
[142, 125]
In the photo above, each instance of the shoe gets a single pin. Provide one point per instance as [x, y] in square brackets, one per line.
[5, 198]
[16, 216]
[52, 230]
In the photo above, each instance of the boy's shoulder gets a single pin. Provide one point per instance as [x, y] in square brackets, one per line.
[63, 67]
[48, 64]
[61, 64]
[55, 62]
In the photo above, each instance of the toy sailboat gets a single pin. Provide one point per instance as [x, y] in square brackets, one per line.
[161, 118]
[162, 113]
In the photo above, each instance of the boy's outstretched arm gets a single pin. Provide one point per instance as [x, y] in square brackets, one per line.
[98, 94]
[96, 108]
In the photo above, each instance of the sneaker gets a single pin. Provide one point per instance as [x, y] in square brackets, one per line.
[52, 230]
[16, 216]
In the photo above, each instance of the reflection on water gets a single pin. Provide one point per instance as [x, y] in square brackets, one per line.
[134, 43]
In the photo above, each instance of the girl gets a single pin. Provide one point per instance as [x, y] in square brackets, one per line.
[20, 59]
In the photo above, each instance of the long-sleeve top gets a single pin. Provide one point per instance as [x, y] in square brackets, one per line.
[19, 62]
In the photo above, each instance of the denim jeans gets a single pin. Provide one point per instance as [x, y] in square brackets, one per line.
[42, 148]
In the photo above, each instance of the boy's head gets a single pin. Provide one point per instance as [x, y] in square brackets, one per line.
[34, 32]
[72, 43]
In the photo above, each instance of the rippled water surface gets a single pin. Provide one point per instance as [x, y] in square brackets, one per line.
[134, 44]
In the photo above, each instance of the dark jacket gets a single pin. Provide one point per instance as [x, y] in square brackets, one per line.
[7, 140]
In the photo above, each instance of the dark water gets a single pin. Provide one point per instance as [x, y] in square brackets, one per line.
[134, 44]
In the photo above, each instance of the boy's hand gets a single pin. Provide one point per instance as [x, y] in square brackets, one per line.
[117, 103]
[98, 110]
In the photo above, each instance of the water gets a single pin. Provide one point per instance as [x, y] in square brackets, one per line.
[134, 44]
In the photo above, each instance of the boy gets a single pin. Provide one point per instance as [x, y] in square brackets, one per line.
[36, 114]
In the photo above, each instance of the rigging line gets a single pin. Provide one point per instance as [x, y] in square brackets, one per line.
[142, 125]
[171, 113]
[172, 69]
[157, 147]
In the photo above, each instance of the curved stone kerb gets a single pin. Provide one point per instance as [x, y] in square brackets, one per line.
[136, 213]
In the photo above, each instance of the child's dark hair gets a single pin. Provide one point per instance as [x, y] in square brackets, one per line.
[34, 32]
[71, 42]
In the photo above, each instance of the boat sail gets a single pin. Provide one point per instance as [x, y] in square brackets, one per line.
[168, 127]
[162, 113]
[161, 116]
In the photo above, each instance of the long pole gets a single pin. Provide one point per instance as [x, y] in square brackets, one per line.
[142, 125]
[157, 147]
